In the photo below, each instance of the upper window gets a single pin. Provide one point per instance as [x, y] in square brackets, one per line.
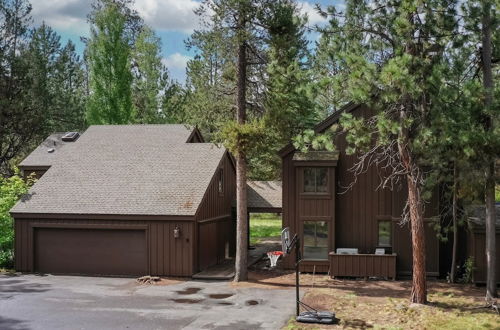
[221, 181]
[384, 233]
[315, 180]
[315, 240]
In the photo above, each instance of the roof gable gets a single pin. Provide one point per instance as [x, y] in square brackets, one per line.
[264, 194]
[324, 125]
[127, 170]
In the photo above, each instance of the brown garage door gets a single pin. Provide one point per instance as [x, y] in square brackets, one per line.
[90, 251]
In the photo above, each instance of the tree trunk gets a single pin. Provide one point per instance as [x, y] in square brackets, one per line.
[489, 194]
[241, 273]
[419, 286]
[415, 205]
[453, 269]
[491, 287]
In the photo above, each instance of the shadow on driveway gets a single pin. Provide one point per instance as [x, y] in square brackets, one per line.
[12, 324]
[13, 286]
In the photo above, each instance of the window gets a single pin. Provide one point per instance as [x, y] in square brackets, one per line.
[316, 180]
[221, 181]
[384, 233]
[315, 240]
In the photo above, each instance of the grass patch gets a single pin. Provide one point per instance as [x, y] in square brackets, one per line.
[264, 226]
[7, 271]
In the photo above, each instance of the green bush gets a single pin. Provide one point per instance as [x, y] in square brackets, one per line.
[11, 189]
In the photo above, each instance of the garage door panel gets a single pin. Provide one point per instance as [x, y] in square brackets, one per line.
[90, 251]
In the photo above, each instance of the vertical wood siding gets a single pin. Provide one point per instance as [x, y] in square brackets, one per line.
[168, 256]
[363, 265]
[357, 211]
[289, 207]
[476, 245]
[215, 222]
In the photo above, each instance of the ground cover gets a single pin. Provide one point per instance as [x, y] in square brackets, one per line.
[264, 226]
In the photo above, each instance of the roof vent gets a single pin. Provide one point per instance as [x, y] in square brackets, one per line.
[70, 136]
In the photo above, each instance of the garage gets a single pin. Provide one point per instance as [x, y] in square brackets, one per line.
[125, 200]
[90, 251]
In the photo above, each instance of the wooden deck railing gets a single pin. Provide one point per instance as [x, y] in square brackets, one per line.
[363, 265]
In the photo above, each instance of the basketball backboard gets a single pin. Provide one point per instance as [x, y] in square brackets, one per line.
[285, 240]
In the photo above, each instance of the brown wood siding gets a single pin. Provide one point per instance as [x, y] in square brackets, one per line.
[476, 246]
[38, 173]
[363, 265]
[402, 236]
[167, 256]
[288, 182]
[215, 222]
[360, 208]
[213, 203]
[357, 210]
[214, 238]
[316, 266]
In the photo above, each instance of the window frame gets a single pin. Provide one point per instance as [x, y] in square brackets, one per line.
[328, 248]
[389, 245]
[315, 193]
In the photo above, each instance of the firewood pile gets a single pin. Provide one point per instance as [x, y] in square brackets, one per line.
[148, 279]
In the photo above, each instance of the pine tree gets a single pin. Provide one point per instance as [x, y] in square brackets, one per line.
[69, 91]
[289, 103]
[390, 57]
[18, 118]
[150, 77]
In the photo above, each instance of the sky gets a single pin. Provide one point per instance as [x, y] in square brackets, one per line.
[172, 20]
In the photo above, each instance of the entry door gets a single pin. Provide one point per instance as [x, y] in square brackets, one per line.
[90, 251]
[315, 209]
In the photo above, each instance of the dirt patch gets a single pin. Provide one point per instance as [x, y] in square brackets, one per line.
[220, 295]
[365, 304]
[188, 291]
[170, 281]
[385, 304]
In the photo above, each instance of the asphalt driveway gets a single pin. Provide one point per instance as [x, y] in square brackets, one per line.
[72, 302]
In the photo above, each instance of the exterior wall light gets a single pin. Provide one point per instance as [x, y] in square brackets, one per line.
[177, 232]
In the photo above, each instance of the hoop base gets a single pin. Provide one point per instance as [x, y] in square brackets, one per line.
[316, 317]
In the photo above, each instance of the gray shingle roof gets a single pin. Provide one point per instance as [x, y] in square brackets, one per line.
[41, 157]
[264, 194]
[126, 170]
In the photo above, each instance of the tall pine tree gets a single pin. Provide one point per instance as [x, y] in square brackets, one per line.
[390, 57]
[109, 63]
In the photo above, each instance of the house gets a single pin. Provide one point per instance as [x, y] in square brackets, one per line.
[476, 243]
[156, 199]
[126, 200]
[331, 219]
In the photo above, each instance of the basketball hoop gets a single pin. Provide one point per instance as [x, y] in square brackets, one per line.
[274, 256]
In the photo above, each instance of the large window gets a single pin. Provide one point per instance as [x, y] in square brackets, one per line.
[315, 240]
[384, 233]
[316, 180]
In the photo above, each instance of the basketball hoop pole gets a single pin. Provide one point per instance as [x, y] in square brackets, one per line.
[297, 262]
[311, 315]
[296, 241]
